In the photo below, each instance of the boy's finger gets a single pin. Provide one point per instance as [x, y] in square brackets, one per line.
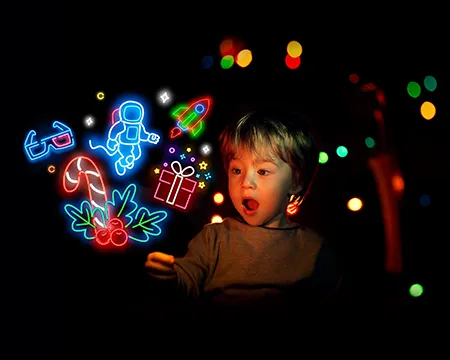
[161, 257]
[159, 267]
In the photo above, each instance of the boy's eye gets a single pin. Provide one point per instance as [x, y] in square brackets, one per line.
[235, 171]
[263, 172]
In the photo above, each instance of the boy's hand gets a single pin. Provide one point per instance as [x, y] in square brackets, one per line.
[160, 266]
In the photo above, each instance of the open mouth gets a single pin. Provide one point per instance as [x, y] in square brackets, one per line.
[250, 205]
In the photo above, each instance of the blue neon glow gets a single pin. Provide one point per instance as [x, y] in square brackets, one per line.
[59, 141]
[200, 109]
[125, 137]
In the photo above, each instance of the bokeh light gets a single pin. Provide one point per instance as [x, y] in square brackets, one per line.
[100, 95]
[430, 83]
[323, 157]
[294, 49]
[342, 151]
[227, 62]
[428, 110]
[244, 58]
[354, 204]
[354, 78]
[398, 184]
[378, 115]
[413, 89]
[370, 142]
[216, 219]
[424, 200]
[231, 45]
[292, 63]
[218, 198]
[416, 290]
[380, 97]
[226, 47]
[207, 62]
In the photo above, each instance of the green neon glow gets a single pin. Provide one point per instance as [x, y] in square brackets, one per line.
[146, 223]
[190, 118]
[81, 218]
[198, 130]
[178, 110]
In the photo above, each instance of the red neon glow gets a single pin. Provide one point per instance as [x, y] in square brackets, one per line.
[114, 233]
[113, 116]
[81, 168]
[175, 132]
[292, 209]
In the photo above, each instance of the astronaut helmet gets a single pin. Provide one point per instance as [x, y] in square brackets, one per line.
[131, 112]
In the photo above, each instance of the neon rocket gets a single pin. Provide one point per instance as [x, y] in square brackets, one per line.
[191, 117]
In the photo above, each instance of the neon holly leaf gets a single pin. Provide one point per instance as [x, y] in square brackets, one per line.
[146, 224]
[123, 204]
[81, 219]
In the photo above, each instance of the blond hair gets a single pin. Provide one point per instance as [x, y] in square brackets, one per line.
[267, 134]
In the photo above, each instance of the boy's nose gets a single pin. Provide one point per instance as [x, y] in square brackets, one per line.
[249, 182]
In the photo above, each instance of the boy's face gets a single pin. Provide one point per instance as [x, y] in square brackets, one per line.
[259, 189]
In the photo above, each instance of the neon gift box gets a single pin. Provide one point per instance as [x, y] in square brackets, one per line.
[174, 188]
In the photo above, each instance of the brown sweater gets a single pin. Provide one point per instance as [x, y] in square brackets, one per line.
[235, 264]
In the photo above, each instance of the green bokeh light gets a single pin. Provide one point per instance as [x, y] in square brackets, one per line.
[416, 290]
[342, 151]
[227, 62]
[413, 89]
[323, 157]
[430, 83]
[370, 142]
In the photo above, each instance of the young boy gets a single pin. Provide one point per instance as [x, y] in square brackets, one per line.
[259, 260]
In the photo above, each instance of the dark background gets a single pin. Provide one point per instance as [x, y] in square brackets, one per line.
[58, 58]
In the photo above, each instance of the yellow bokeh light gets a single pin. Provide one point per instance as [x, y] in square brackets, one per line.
[294, 49]
[244, 58]
[354, 204]
[218, 198]
[428, 110]
[216, 219]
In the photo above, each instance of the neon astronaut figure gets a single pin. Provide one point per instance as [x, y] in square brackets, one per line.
[125, 136]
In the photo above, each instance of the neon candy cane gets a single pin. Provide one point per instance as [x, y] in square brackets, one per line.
[72, 178]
